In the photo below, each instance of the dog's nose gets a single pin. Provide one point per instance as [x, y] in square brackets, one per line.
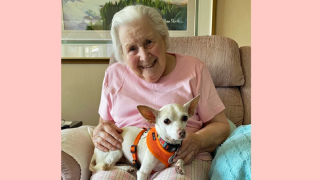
[182, 133]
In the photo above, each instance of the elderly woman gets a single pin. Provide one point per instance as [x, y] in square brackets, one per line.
[147, 75]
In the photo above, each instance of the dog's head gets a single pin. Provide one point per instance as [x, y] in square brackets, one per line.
[170, 121]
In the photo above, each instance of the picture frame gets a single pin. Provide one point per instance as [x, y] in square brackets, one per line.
[201, 21]
[104, 35]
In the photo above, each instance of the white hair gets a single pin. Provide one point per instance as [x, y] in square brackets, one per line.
[132, 13]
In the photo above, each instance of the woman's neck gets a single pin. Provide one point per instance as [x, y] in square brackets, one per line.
[171, 62]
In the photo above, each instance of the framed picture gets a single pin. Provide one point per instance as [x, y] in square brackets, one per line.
[89, 20]
[85, 37]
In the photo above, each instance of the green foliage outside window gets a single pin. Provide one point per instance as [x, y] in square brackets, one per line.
[175, 15]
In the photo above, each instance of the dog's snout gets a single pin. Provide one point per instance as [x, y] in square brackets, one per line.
[182, 133]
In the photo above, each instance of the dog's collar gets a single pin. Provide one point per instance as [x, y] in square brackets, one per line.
[167, 146]
[163, 151]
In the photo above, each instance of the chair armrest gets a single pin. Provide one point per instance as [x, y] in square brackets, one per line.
[70, 169]
[77, 150]
[245, 54]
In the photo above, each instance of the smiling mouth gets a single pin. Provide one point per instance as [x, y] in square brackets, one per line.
[149, 66]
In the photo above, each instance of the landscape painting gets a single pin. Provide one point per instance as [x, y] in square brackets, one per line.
[97, 14]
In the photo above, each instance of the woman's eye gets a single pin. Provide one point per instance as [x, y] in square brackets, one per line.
[148, 43]
[132, 49]
[167, 121]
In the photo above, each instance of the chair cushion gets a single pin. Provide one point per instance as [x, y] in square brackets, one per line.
[232, 100]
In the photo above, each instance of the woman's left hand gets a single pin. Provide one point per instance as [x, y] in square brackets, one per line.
[190, 148]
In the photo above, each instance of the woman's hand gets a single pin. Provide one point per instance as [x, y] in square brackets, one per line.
[106, 136]
[190, 148]
[214, 132]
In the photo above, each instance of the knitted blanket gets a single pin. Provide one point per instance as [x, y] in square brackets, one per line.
[233, 158]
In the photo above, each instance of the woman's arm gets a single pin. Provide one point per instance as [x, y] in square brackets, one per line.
[207, 139]
[214, 132]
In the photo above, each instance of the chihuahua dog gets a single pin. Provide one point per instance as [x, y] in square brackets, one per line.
[155, 148]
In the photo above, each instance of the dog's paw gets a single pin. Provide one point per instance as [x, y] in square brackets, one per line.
[179, 166]
[105, 167]
[126, 168]
[131, 170]
[92, 165]
[179, 170]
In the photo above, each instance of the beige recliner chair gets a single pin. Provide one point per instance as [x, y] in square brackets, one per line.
[230, 68]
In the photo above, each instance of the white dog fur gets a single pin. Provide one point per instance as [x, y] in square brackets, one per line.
[172, 133]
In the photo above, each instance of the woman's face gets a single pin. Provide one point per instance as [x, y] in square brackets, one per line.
[144, 50]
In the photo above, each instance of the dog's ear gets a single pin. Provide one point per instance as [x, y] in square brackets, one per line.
[148, 113]
[192, 105]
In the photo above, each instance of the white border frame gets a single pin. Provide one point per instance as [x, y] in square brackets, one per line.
[102, 35]
[205, 14]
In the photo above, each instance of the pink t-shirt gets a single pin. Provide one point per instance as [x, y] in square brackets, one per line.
[123, 91]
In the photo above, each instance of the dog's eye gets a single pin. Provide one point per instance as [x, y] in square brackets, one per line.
[167, 121]
[184, 118]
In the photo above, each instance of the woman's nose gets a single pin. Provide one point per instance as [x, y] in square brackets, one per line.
[144, 54]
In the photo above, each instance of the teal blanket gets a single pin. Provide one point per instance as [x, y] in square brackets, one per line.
[233, 159]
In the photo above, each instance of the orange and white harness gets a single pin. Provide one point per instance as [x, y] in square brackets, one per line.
[160, 149]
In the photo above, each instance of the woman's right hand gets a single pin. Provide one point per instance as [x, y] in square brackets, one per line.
[106, 136]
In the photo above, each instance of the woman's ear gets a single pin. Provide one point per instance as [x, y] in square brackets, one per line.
[166, 41]
[163, 37]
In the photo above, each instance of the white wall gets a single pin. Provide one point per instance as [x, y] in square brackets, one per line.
[205, 17]
[233, 19]
[80, 92]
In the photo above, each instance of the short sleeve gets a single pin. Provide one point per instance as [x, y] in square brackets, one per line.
[106, 100]
[210, 103]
